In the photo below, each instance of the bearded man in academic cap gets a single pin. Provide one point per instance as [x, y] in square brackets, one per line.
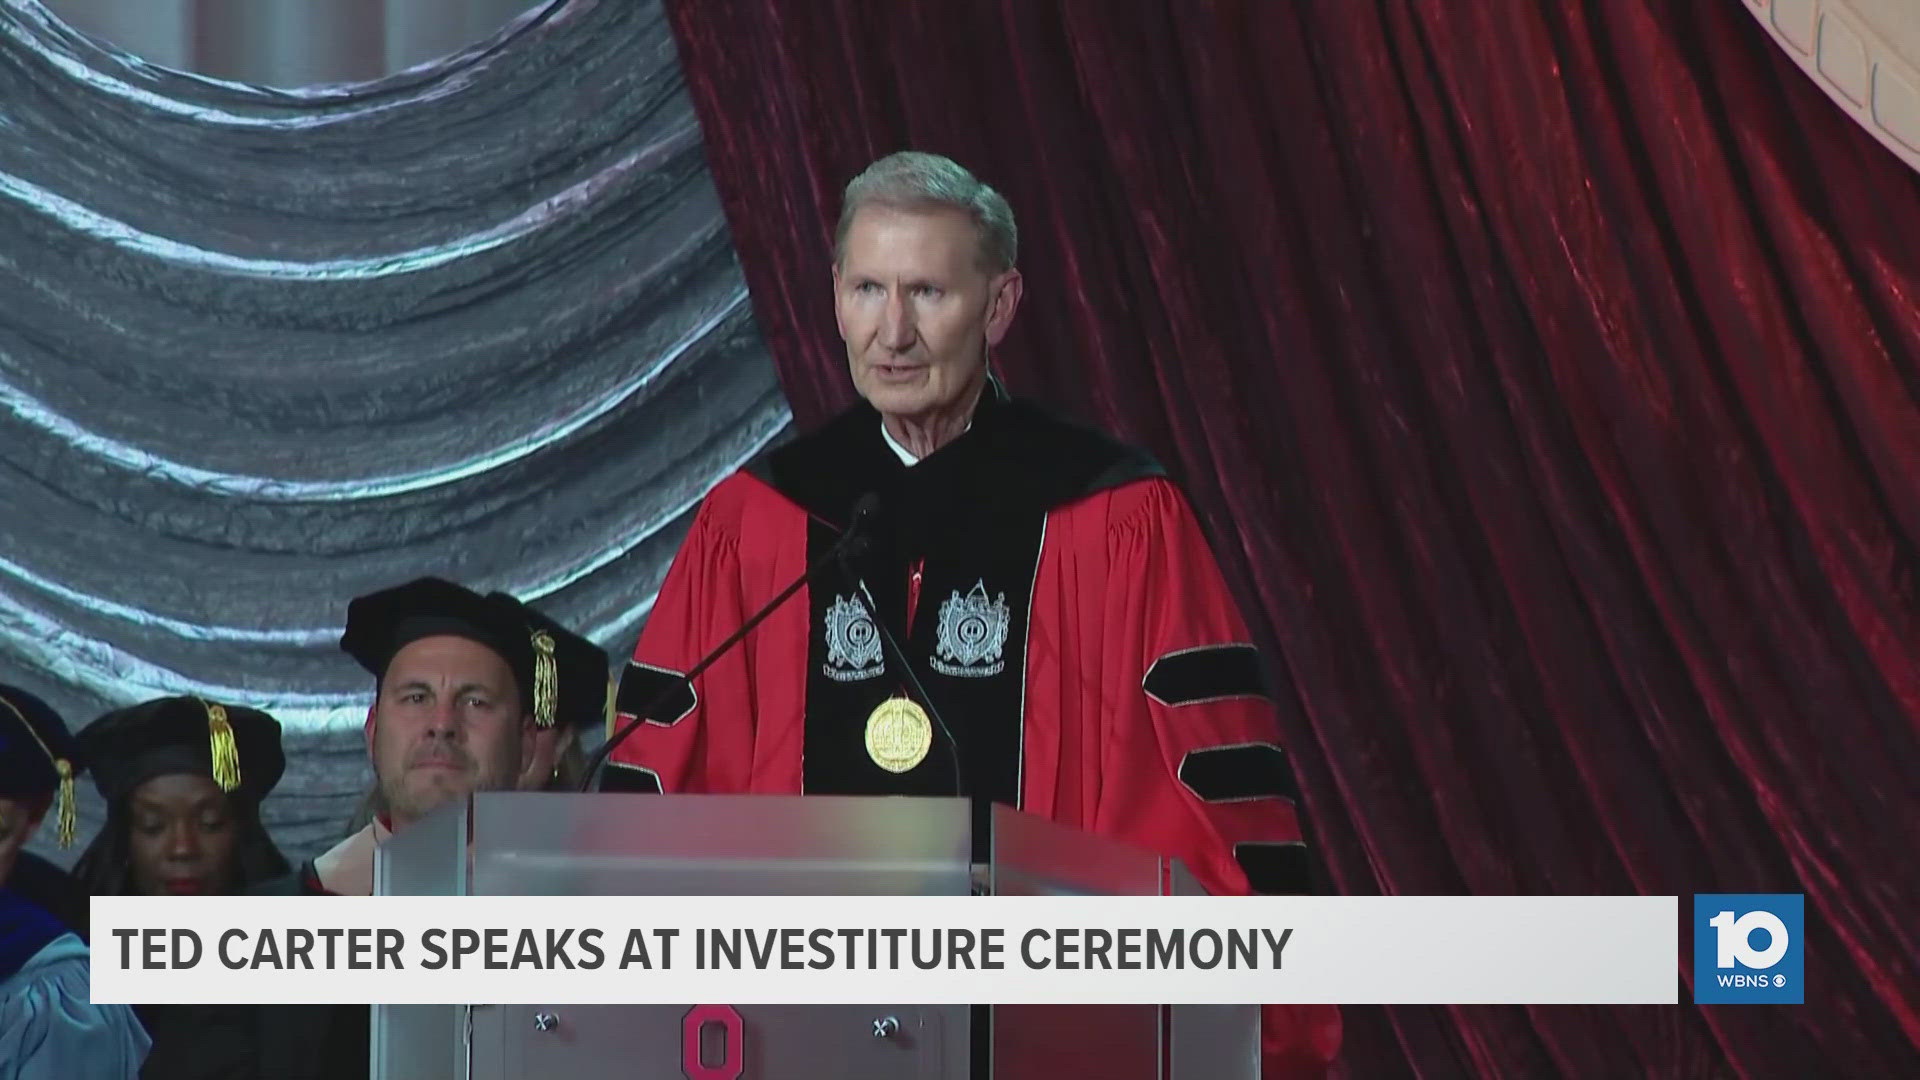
[464, 685]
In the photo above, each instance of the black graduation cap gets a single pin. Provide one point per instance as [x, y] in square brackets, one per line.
[380, 624]
[37, 756]
[582, 687]
[239, 748]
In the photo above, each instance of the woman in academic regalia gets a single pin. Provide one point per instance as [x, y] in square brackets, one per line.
[183, 779]
[49, 1026]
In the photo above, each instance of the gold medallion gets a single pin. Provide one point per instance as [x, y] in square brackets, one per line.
[898, 734]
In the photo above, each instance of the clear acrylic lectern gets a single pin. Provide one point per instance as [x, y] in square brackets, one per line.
[549, 844]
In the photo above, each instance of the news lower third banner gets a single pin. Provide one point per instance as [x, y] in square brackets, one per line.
[935, 950]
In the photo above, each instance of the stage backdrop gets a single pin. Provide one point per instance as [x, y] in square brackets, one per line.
[263, 350]
[1546, 375]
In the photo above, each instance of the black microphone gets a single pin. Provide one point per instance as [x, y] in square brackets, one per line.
[852, 540]
[913, 678]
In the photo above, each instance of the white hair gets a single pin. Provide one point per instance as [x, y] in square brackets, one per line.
[910, 180]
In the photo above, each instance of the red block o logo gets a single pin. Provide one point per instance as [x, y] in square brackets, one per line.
[693, 1064]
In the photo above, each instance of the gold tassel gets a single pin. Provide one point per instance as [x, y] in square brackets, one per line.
[64, 815]
[226, 756]
[545, 679]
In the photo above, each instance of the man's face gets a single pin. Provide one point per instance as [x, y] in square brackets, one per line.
[447, 723]
[918, 310]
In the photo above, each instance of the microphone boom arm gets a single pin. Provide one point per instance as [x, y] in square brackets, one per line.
[862, 510]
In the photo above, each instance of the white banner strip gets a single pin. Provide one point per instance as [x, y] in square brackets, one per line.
[935, 950]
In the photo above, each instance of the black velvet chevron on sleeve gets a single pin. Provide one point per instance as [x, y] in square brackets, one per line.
[641, 690]
[629, 778]
[1275, 868]
[1238, 773]
[1208, 673]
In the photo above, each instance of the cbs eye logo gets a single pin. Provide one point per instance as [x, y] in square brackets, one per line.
[1747, 948]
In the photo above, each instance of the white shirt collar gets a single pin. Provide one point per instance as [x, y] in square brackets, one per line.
[905, 455]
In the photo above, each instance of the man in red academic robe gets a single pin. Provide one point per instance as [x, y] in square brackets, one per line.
[1049, 586]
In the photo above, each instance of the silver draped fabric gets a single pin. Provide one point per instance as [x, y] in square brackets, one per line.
[264, 350]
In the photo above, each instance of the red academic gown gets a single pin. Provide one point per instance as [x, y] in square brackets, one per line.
[1066, 615]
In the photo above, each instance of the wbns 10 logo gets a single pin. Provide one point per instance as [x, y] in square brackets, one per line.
[1746, 948]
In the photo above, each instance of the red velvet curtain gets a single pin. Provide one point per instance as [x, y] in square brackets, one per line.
[1546, 377]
